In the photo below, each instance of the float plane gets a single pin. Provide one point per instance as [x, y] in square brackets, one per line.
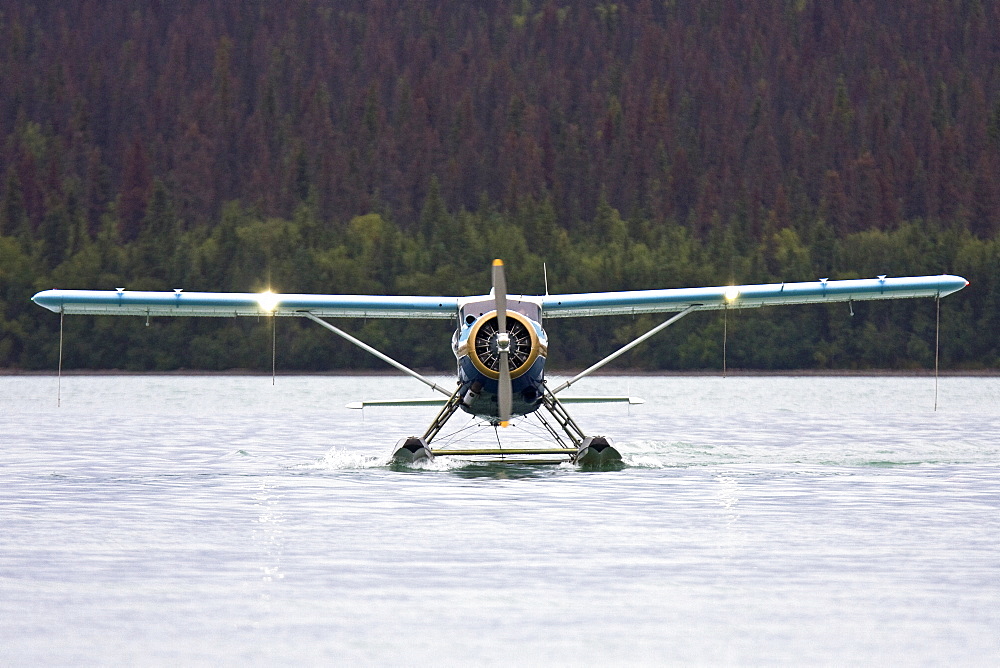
[499, 343]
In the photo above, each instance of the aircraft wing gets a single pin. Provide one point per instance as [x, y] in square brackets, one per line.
[748, 296]
[228, 304]
[178, 302]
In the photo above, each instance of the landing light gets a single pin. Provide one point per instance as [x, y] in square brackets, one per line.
[732, 292]
[268, 301]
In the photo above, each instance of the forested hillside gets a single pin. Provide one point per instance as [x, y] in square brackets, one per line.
[397, 147]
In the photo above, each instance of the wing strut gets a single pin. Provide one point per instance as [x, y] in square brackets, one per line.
[624, 349]
[382, 356]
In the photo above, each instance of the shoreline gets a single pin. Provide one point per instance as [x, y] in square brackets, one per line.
[922, 373]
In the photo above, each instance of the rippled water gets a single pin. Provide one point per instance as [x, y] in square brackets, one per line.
[223, 520]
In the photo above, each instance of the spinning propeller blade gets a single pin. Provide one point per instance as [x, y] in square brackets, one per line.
[504, 391]
[500, 294]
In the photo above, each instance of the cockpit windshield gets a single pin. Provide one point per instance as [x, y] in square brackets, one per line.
[478, 308]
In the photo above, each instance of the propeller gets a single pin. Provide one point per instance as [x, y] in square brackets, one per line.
[503, 343]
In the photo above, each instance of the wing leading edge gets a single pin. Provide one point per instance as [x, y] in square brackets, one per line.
[223, 304]
[748, 296]
[229, 304]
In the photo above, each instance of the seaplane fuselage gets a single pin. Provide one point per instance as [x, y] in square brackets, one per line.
[476, 348]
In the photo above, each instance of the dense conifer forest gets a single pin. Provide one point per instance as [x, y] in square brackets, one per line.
[396, 147]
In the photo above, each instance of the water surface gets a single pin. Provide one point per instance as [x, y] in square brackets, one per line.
[223, 520]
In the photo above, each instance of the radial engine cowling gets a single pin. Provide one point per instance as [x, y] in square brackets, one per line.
[524, 345]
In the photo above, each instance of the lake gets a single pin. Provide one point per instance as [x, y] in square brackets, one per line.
[224, 520]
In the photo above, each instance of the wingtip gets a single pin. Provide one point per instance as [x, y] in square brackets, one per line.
[498, 262]
[47, 299]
